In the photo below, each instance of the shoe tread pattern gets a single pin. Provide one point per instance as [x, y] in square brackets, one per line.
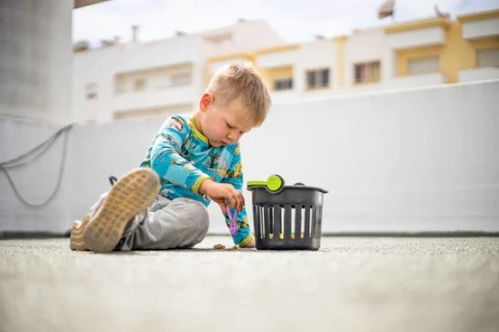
[130, 195]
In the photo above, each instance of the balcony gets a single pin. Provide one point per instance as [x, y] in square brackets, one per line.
[278, 59]
[413, 81]
[479, 74]
[481, 25]
[427, 33]
[158, 98]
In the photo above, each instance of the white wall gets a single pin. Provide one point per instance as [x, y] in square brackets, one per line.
[421, 159]
[35, 181]
[35, 59]
[408, 160]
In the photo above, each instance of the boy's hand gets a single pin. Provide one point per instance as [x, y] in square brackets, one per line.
[222, 192]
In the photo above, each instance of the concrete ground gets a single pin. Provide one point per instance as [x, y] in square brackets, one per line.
[351, 284]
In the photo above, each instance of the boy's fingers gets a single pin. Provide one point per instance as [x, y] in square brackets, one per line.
[236, 199]
[239, 203]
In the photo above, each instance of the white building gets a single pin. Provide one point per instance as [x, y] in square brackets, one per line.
[159, 77]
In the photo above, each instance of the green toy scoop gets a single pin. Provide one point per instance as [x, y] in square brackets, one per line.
[274, 183]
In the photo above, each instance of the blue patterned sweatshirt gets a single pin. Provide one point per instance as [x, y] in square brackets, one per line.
[182, 158]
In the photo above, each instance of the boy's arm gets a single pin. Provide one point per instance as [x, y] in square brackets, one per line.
[234, 177]
[167, 161]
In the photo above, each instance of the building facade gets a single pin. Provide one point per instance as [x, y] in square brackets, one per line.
[160, 77]
[168, 76]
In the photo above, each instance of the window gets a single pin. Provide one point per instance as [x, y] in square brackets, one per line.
[488, 57]
[139, 84]
[317, 78]
[283, 84]
[91, 91]
[424, 65]
[180, 79]
[367, 72]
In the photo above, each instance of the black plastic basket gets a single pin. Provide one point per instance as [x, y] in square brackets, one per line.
[290, 219]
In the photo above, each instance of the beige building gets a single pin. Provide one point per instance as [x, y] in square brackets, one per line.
[420, 53]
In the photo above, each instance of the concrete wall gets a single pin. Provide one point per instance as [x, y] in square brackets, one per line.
[409, 160]
[35, 59]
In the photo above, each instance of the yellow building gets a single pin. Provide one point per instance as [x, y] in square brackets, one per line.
[410, 54]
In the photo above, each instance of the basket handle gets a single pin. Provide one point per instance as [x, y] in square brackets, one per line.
[274, 183]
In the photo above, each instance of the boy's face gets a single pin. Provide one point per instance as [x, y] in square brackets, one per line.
[223, 124]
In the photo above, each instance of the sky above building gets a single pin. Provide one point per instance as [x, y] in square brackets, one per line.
[294, 20]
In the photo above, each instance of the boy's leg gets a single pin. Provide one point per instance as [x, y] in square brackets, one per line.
[167, 224]
[132, 194]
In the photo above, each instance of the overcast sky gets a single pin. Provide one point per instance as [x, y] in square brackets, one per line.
[293, 20]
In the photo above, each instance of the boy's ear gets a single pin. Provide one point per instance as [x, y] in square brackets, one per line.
[206, 100]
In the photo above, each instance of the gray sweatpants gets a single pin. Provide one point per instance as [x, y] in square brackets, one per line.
[166, 224]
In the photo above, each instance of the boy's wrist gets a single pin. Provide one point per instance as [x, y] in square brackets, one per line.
[204, 185]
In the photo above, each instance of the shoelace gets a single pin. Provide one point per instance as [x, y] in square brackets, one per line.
[232, 220]
[112, 180]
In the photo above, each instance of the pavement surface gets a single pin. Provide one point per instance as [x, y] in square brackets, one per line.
[351, 284]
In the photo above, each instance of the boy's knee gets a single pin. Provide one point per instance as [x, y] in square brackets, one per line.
[198, 216]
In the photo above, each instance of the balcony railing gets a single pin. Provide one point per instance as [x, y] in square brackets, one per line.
[479, 74]
[158, 98]
[415, 80]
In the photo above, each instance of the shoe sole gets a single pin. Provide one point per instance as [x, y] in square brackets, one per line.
[76, 241]
[132, 194]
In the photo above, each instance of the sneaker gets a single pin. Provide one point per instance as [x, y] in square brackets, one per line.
[129, 196]
[76, 241]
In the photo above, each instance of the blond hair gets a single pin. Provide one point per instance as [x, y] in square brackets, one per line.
[242, 81]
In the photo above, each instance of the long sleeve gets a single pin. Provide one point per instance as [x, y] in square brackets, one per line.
[235, 177]
[166, 158]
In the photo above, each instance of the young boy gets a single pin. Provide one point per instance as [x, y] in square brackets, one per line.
[192, 160]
